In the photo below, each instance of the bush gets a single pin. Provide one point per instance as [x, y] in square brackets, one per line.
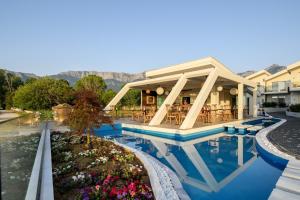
[46, 114]
[282, 104]
[295, 108]
[269, 104]
[42, 94]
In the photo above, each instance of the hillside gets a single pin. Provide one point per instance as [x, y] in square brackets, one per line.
[114, 80]
[272, 70]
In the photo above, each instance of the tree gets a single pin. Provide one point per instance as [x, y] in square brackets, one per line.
[30, 80]
[2, 88]
[132, 98]
[8, 84]
[93, 83]
[42, 94]
[12, 82]
[86, 113]
[107, 96]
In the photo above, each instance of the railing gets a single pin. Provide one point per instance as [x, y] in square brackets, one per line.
[296, 84]
[270, 89]
[41, 182]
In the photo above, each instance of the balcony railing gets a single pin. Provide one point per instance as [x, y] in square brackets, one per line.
[296, 84]
[271, 89]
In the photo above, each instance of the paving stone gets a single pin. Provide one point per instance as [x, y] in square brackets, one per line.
[287, 136]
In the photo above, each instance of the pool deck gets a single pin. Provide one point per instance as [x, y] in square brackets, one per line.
[7, 115]
[287, 136]
[288, 185]
[174, 129]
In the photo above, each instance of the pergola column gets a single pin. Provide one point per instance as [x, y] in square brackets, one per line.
[254, 101]
[240, 101]
[162, 111]
[118, 97]
[192, 115]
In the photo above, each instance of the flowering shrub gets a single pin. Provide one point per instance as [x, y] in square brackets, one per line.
[105, 172]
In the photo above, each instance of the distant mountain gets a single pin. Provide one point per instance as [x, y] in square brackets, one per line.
[246, 73]
[272, 70]
[275, 68]
[113, 80]
[23, 76]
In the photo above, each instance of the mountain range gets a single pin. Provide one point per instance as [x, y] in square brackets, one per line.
[272, 70]
[115, 80]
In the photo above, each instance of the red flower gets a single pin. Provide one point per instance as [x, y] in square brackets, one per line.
[113, 191]
[132, 187]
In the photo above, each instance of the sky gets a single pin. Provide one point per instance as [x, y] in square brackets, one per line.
[48, 37]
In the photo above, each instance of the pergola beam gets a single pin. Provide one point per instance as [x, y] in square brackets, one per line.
[192, 115]
[162, 111]
[118, 97]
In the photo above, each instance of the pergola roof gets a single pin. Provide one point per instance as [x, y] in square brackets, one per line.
[258, 73]
[180, 76]
[191, 69]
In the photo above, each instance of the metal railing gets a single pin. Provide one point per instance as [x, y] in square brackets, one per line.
[41, 181]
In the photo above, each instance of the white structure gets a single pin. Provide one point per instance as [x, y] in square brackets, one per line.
[281, 87]
[197, 82]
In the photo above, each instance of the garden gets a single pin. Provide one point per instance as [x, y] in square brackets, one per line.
[105, 171]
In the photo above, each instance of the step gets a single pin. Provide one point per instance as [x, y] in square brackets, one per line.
[291, 173]
[288, 184]
[278, 194]
[294, 164]
[229, 125]
[241, 126]
[255, 128]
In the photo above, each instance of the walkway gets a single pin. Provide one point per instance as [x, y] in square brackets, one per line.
[287, 137]
[6, 115]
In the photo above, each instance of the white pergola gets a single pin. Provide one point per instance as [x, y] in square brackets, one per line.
[208, 68]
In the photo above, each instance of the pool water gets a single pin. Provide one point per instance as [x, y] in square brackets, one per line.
[213, 166]
[19, 139]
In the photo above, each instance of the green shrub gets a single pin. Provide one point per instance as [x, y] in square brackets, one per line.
[46, 114]
[269, 104]
[295, 108]
[282, 104]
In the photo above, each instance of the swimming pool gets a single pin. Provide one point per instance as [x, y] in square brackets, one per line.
[216, 165]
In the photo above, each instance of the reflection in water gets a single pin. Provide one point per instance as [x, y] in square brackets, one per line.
[21, 126]
[19, 140]
[212, 167]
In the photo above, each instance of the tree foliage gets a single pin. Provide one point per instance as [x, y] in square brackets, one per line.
[132, 98]
[86, 113]
[107, 96]
[8, 85]
[42, 94]
[91, 82]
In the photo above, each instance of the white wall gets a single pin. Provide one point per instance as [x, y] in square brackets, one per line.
[295, 97]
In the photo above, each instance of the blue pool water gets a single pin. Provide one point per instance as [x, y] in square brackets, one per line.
[215, 165]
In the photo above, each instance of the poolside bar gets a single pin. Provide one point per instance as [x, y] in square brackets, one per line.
[190, 95]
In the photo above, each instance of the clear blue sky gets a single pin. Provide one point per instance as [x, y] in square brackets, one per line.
[134, 36]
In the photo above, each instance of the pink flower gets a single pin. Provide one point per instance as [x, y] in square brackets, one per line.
[97, 187]
[132, 187]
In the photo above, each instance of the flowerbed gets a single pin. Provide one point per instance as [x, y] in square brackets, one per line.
[107, 171]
